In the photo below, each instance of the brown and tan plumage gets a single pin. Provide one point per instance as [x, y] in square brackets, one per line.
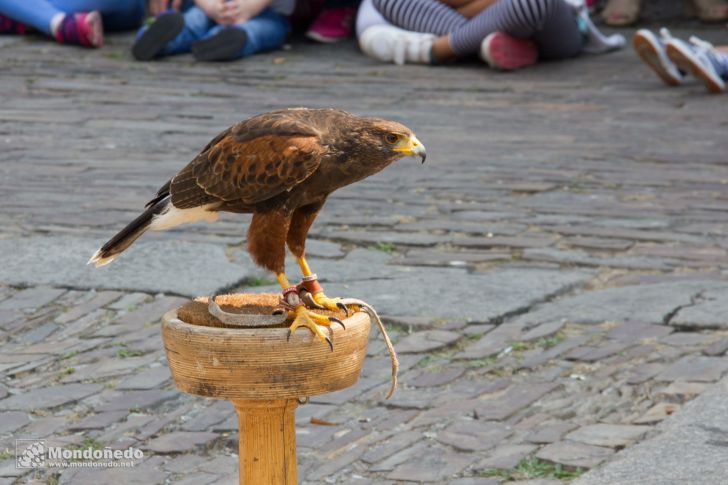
[280, 166]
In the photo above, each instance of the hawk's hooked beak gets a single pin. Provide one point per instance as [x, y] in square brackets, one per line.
[412, 146]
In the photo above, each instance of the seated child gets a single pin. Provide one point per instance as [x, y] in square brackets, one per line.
[216, 30]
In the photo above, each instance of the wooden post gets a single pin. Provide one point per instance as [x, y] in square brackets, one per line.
[263, 372]
[267, 441]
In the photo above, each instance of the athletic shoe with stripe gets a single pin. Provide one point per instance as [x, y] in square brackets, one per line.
[392, 44]
[505, 52]
[701, 60]
[652, 51]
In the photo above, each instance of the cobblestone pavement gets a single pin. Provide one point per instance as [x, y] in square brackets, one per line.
[552, 276]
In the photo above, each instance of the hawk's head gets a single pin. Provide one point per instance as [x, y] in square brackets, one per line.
[392, 140]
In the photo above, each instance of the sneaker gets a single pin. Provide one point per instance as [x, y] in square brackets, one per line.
[392, 44]
[652, 52]
[332, 25]
[84, 29]
[223, 46]
[157, 34]
[502, 51]
[10, 26]
[701, 60]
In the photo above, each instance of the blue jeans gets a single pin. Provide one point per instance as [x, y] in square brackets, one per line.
[267, 31]
[117, 14]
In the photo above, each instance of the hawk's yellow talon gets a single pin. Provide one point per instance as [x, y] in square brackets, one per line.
[326, 302]
[313, 321]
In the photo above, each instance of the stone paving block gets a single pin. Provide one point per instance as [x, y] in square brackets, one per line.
[146, 473]
[431, 378]
[30, 299]
[650, 303]
[177, 267]
[544, 330]
[100, 299]
[335, 464]
[505, 457]
[43, 427]
[129, 301]
[445, 293]
[492, 343]
[593, 354]
[537, 481]
[709, 313]
[130, 400]
[474, 481]
[644, 372]
[433, 465]
[8, 468]
[549, 432]
[574, 454]
[151, 378]
[636, 331]
[611, 435]
[717, 349]
[98, 421]
[657, 413]
[150, 312]
[682, 391]
[553, 352]
[180, 441]
[474, 435]
[693, 368]
[13, 420]
[515, 398]
[426, 341]
[49, 397]
[680, 339]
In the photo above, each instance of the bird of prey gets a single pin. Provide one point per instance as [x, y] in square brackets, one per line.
[280, 166]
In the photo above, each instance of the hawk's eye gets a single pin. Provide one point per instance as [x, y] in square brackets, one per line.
[391, 138]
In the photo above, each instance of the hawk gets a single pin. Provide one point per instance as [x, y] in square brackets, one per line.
[280, 166]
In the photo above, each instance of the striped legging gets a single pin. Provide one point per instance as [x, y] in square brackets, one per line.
[551, 24]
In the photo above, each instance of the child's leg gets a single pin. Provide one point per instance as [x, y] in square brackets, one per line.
[117, 14]
[73, 27]
[551, 24]
[428, 16]
[37, 13]
[196, 26]
[267, 31]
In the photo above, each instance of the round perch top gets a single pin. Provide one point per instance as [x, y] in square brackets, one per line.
[259, 363]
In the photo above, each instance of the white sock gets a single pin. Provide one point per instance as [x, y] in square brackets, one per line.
[56, 22]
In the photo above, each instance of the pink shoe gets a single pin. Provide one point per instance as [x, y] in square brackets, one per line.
[332, 25]
[10, 26]
[85, 29]
[502, 51]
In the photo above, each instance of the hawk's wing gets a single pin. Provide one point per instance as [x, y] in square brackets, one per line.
[251, 162]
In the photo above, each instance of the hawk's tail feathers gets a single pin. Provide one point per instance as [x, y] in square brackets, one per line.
[119, 243]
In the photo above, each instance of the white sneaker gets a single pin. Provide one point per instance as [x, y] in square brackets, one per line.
[652, 52]
[392, 44]
[700, 59]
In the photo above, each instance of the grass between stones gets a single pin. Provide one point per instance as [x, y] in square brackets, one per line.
[384, 247]
[530, 468]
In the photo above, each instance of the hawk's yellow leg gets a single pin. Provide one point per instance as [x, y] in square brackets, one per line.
[303, 317]
[319, 297]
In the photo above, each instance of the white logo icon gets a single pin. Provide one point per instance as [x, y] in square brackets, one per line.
[30, 453]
